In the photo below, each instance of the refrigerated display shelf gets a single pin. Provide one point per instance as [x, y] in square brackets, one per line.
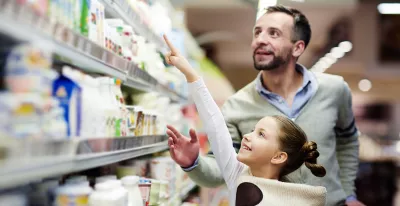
[182, 195]
[186, 191]
[21, 23]
[20, 171]
[122, 10]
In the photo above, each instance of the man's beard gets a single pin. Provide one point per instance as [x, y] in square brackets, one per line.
[275, 63]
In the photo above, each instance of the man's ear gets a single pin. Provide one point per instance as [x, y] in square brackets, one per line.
[279, 158]
[298, 48]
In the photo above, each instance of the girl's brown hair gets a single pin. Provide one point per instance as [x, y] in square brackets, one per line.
[293, 141]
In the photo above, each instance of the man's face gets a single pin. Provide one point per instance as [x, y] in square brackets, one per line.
[272, 45]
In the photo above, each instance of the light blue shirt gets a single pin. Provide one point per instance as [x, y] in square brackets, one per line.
[304, 93]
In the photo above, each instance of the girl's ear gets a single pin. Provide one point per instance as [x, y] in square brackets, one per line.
[279, 158]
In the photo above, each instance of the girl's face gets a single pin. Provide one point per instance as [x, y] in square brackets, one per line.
[260, 146]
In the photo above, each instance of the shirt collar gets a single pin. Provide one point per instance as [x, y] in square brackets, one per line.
[300, 68]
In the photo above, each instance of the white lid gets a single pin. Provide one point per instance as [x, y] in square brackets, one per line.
[114, 183]
[105, 178]
[163, 182]
[130, 180]
[128, 28]
[74, 190]
[115, 22]
[103, 80]
[138, 108]
[112, 81]
[103, 186]
[76, 179]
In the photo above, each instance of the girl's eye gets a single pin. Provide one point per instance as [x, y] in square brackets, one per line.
[261, 134]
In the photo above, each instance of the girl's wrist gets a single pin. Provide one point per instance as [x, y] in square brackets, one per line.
[192, 77]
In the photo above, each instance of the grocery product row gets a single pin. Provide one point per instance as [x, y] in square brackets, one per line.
[72, 76]
[42, 103]
[149, 181]
[85, 38]
[59, 114]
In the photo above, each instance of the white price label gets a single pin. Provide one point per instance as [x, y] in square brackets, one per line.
[104, 56]
[88, 47]
[8, 8]
[25, 14]
[70, 36]
[81, 43]
[58, 32]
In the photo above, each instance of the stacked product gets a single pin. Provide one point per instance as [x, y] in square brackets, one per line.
[80, 95]
[105, 190]
[115, 35]
[159, 168]
[27, 108]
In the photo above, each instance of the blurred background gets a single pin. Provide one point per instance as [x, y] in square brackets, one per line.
[60, 59]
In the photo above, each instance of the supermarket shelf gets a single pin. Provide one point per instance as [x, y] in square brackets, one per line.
[185, 192]
[182, 195]
[120, 9]
[21, 23]
[21, 171]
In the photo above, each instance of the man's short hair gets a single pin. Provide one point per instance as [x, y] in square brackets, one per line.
[301, 26]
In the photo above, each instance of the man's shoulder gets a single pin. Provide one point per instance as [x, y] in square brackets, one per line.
[329, 81]
[245, 94]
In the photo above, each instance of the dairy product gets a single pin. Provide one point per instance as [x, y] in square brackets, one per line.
[131, 184]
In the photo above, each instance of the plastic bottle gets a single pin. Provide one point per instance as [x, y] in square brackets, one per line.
[96, 109]
[69, 94]
[120, 192]
[154, 192]
[144, 187]
[73, 194]
[121, 103]
[108, 110]
[103, 195]
[116, 108]
[76, 180]
[117, 27]
[105, 178]
[88, 107]
[131, 184]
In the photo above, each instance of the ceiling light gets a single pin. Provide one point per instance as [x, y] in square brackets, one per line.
[398, 146]
[365, 85]
[346, 46]
[324, 65]
[329, 60]
[330, 56]
[337, 52]
[389, 8]
[263, 4]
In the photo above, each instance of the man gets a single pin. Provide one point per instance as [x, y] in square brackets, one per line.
[319, 103]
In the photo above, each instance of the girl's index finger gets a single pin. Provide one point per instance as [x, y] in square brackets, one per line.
[169, 44]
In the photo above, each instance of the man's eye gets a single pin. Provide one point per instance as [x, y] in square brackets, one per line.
[273, 33]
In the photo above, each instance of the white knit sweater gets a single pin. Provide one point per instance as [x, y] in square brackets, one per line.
[276, 193]
[245, 189]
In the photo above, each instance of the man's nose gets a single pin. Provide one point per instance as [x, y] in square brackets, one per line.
[261, 39]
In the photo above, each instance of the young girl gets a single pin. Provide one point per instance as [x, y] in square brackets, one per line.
[275, 148]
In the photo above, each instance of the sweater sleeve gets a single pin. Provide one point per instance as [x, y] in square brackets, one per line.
[347, 146]
[217, 132]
